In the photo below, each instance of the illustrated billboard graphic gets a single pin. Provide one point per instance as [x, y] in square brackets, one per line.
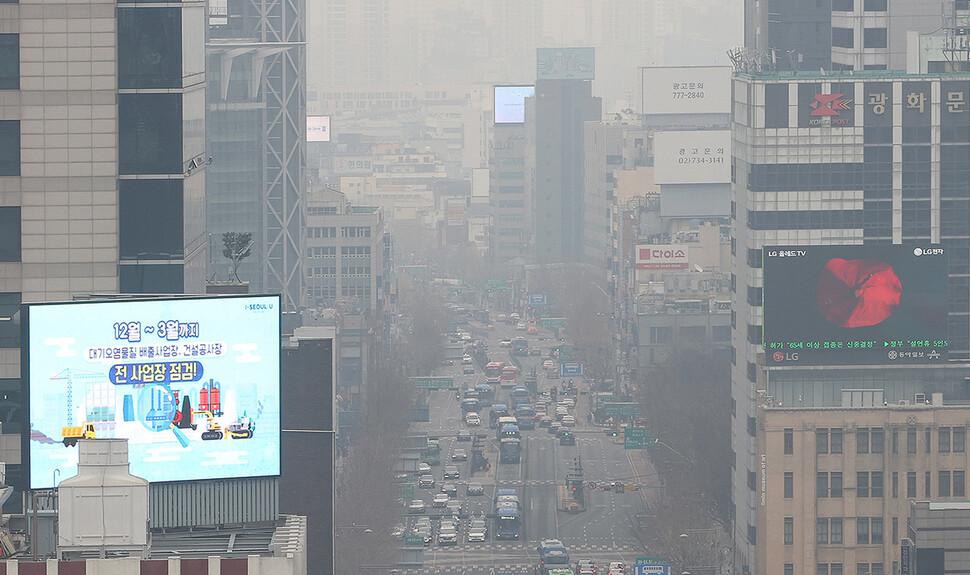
[692, 157]
[686, 90]
[192, 383]
[855, 305]
[565, 63]
[318, 128]
[662, 257]
[510, 103]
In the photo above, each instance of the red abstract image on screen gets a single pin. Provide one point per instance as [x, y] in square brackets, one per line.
[858, 293]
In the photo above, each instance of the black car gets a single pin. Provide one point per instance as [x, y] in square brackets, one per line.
[449, 488]
[475, 488]
[451, 472]
[464, 436]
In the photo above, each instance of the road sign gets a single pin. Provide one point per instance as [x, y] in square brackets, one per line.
[496, 283]
[553, 322]
[407, 491]
[621, 409]
[433, 382]
[537, 299]
[651, 561]
[414, 541]
[644, 569]
[636, 438]
[571, 369]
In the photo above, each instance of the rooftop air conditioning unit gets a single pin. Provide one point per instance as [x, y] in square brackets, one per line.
[920, 398]
[903, 402]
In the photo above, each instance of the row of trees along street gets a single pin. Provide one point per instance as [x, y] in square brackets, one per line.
[686, 403]
[366, 505]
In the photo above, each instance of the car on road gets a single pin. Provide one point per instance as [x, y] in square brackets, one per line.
[459, 455]
[466, 360]
[505, 343]
[502, 317]
[521, 326]
[447, 362]
[454, 507]
[464, 436]
[532, 330]
[468, 369]
[586, 567]
[451, 472]
[424, 468]
[535, 351]
[426, 481]
[554, 427]
[616, 568]
[440, 500]
[416, 506]
[476, 535]
[568, 421]
[545, 421]
[450, 488]
[447, 534]
[424, 531]
[475, 488]
[472, 419]
[561, 412]
[567, 402]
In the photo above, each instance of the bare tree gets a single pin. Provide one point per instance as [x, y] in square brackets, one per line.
[237, 247]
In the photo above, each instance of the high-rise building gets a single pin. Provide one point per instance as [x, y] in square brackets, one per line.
[861, 163]
[102, 148]
[795, 35]
[257, 112]
[564, 101]
[872, 34]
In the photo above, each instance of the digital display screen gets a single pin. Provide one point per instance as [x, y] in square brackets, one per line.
[193, 383]
[510, 103]
[855, 305]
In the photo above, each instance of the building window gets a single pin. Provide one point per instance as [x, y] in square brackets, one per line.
[872, 38]
[944, 440]
[150, 133]
[822, 484]
[843, 37]
[862, 530]
[835, 530]
[9, 61]
[150, 223]
[9, 230]
[752, 426]
[789, 530]
[943, 487]
[835, 440]
[911, 484]
[10, 152]
[822, 569]
[842, 5]
[821, 440]
[835, 484]
[895, 530]
[862, 440]
[752, 480]
[927, 436]
[895, 486]
[355, 232]
[895, 441]
[789, 485]
[789, 441]
[789, 569]
[862, 484]
[9, 329]
[877, 440]
[927, 485]
[822, 531]
[959, 484]
[876, 530]
[959, 439]
[911, 440]
[874, 6]
[149, 47]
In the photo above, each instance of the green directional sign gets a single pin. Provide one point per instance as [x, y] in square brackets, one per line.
[434, 382]
[621, 409]
[636, 438]
[496, 283]
[553, 322]
[414, 541]
[651, 561]
[407, 491]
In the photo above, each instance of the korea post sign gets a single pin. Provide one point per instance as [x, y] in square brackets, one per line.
[192, 383]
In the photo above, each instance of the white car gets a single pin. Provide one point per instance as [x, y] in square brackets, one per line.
[472, 419]
[440, 500]
[466, 360]
[505, 343]
[568, 421]
[476, 535]
[416, 506]
[424, 468]
[521, 326]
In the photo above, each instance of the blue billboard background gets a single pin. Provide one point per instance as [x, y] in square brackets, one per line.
[194, 384]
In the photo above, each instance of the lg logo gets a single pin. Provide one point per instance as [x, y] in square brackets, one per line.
[780, 356]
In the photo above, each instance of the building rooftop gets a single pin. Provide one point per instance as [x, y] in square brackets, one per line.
[845, 75]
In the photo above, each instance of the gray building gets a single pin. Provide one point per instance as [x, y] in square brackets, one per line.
[937, 538]
[562, 107]
[797, 34]
[510, 193]
[102, 145]
[856, 173]
[257, 113]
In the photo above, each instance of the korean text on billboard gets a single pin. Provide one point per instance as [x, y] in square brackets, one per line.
[193, 384]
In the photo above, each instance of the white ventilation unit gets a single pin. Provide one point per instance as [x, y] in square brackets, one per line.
[920, 398]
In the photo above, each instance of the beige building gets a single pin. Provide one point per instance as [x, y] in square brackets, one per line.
[835, 483]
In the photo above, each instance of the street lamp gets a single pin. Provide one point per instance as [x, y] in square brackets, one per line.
[657, 441]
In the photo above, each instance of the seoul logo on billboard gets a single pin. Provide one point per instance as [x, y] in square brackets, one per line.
[828, 107]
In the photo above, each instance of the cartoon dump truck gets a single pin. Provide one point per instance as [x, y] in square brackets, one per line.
[72, 433]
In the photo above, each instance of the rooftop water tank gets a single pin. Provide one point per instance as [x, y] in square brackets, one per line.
[103, 508]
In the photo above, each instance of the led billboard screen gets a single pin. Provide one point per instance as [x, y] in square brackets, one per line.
[855, 305]
[194, 384]
[565, 63]
[687, 90]
[510, 103]
[318, 128]
[692, 157]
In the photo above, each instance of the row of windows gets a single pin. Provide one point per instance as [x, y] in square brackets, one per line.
[324, 292]
[355, 250]
[355, 232]
[322, 252]
[871, 37]
[828, 484]
[872, 440]
[867, 5]
[321, 232]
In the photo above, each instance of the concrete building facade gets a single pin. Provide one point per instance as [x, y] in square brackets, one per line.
[835, 484]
